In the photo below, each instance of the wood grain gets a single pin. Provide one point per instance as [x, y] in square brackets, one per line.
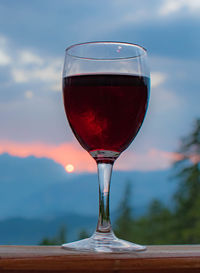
[55, 259]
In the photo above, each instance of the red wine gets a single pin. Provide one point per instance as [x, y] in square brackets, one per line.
[105, 111]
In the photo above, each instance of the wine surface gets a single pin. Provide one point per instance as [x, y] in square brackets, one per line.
[105, 111]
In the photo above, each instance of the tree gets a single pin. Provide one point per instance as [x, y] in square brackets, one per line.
[156, 227]
[153, 228]
[59, 239]
[83, 234]
[161, 225]
[187, 196]
[123, 224]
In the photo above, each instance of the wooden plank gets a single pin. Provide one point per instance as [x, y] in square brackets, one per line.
[55, 259]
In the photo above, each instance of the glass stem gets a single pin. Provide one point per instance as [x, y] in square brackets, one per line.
[104, 177]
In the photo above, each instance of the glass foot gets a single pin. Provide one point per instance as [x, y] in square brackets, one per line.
[103, 242]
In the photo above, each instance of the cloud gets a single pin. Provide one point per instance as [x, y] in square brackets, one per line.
[153, 159]
[70, 153]
[67, 153]
[32, 68]
[170, 6]
[157, 78]
[163, 99]
[164, 95]
[136, 11]
[48, 73]
[19, 75]
[3, 40]
[4, 58]
[29, 94]
[25, 66]
[28, 57]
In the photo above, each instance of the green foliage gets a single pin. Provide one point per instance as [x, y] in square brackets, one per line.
[156, 227]
[187, 197]
[59, 239]
[83, 234]
[161, 225]
[123, 224]
[153, 228]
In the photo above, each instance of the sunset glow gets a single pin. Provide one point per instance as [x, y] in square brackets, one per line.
[65, 152]
[71, 152]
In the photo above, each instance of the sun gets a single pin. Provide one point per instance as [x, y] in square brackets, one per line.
[69, 168]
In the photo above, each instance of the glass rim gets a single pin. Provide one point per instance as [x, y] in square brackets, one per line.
[143, 50]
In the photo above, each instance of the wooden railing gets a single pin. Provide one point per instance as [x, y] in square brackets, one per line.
[155, 259]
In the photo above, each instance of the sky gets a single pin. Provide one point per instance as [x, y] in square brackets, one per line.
[33, 38]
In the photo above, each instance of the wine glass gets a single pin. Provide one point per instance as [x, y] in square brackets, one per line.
[105, 93]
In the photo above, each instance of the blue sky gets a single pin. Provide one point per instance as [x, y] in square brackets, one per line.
[33, 37]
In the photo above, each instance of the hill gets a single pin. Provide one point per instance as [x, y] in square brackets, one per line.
[37, 197]
[40, 188]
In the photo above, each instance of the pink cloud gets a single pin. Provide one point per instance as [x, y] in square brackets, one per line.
[66, 153]
[153, 159]
[70, 153]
